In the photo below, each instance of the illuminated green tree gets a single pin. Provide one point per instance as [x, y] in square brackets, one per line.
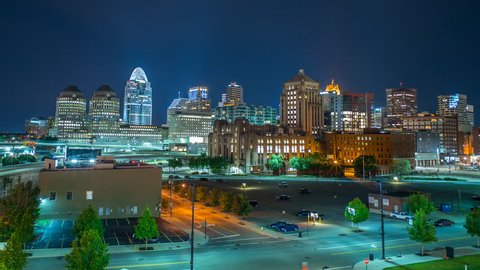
[13, 257]
[90, 252]
[147, 227]
[87, 220]
[419, 201]
[174, 163]
[472, 224]
[356, 212]
[370, 165]
[275, 162]
[422, 231]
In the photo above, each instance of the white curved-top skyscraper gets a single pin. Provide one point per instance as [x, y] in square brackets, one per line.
[138, 99]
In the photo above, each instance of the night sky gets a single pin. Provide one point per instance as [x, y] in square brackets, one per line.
[433, 46]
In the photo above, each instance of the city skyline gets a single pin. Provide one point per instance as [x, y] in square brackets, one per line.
[367, 51]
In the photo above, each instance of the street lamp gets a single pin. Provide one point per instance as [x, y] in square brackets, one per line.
[382, 221]
[170, 181]
[244, 186]
[193, 225]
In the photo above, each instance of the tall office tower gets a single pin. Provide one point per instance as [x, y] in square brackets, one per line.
[332, 103]
[37, 127]
[301, 104]
[377, 117]
[198, 99]
[357, 111]
[455, 105]
[104, 112]
[70, 113]
[400, 102]
[470, 115]
[187, 125]
[138, 99]
[256, 115]
[233, 95]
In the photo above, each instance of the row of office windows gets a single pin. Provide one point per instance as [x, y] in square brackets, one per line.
[69, 195]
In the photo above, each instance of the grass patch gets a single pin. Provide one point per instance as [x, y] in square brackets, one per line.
[473, 262]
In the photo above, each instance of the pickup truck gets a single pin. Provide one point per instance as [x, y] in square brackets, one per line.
[401, 215]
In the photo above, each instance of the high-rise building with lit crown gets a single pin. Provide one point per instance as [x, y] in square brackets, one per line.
[198, 99]
[456, 105]
[401, 102]
[70, 113]
[301, 104]
[138, 99]
[233, 95]
[332, 103]
[104, 112]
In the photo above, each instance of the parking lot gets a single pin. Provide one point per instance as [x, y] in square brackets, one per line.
[58, 233]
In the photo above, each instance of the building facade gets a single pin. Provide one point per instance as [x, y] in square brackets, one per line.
[456, 105]
[104, 112]
[385, 147]
[37, 127]
[138, 99]
[70, 113]
[356, 111]
[248, 147]
[256, 115]
[301, 104]
[400, 102]
[113, 191]
[332, 105]
[233, 95]
[198, 99]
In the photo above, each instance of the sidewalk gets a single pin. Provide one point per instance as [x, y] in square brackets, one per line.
[378, 264]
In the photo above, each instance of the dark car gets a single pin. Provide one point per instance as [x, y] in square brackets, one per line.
[288, 228]
[476, 198]
[277, 224]
[304, 213]
[443, 222]
[253, 203]
[203, 179]
[283, 184]
[282, 197]
[305, 191]
[187, 176]
[219, 181]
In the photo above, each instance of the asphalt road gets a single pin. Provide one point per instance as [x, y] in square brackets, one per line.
[332, 244]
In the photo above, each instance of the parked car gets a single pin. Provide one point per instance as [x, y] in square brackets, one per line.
[204, 173]
[443, 222]
[282, 197]
[283, 184]
[304, 213]
[253, 203]
[203, 179]
[219, 181]
[194, 173]
[476, 198]
[401, 215]
[305, 191]
[187, 176]
[277, 224]
[288, 228]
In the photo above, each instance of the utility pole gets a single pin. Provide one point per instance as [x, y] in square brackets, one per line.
[170, 181]
[193, 225]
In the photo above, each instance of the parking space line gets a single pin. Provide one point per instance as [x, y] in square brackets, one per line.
[166, 237]
[63, 221]
[128, 221]
[117, 222]
[129, 239]
[178, 236]
[211, 229]
[118, 242]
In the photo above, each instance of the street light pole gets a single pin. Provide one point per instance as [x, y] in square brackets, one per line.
[382, 221]
[193, 225]
[170, 181]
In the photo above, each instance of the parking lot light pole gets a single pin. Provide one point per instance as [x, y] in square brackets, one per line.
[170, 181]
[381, 220]
[193, 225]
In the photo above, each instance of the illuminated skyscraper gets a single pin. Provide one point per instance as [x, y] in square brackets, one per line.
[138, 99]
[104, 112]
[198, 99]
[301, 104]
[400, 102]
[456, 105]
[70, 113]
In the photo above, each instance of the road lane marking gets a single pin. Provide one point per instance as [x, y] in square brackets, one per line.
[251, 244]
[397, 246]
[242, 239]
[145, 265]
[226, 236]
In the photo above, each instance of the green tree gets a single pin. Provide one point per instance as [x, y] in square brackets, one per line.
[87, 220]
[472, 224]
[13, 257]
[275, 162]
[422, 231]
[217, 164]
[26, 158]
[22, 198]
[214, 197]
[401, 167]
[7, 161]
[226, 201]
[91, 253]
[356, 212]
[174, 163]
[370, 165]
[165, 205]
[7, 184]
[301, 164]
[419, 201]
[201, 194]
[147, 227]
[24, 229]
[194, 163]
[240, 205]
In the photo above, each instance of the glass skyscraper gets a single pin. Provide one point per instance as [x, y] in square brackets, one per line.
[138, 99]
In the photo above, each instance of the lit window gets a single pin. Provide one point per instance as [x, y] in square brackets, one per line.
[89, 195]
[52, 196]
